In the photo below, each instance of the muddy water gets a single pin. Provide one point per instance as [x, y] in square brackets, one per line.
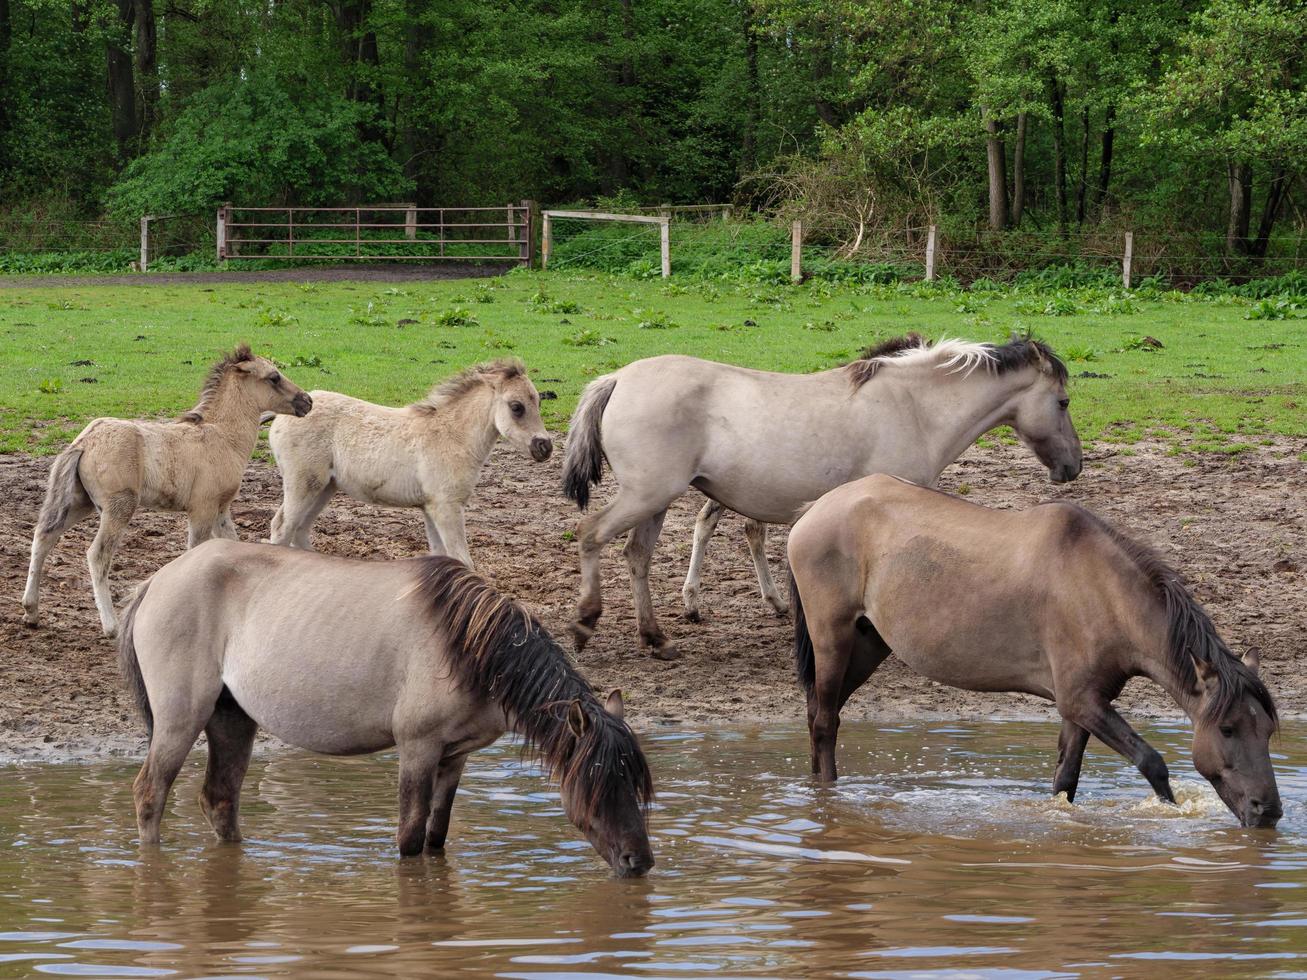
[939, 855]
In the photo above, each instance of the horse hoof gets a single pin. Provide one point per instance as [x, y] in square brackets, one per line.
[782, 611]
[31, 619]
[693, 616]
[665, 652]
[581, 634]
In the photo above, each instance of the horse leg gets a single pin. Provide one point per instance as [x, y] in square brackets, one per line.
[755, 532]
[230, 733]
[1070, 754]
[418, 762]
[834, 647]
[170, 743]
[451, 531]
[639, 554]
[225, 527]
[1101, 720]
[446, 786]
[117, 512]
[704, 526]
[869, 651]
[622, 513]
[435, 544]
[43, 541]
[302, 501]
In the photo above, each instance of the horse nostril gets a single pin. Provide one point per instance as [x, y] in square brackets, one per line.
[634, 863]
[541, 448]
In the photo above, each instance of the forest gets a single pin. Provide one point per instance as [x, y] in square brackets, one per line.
[1061, 117]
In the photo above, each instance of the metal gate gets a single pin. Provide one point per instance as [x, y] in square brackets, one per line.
[378, 233]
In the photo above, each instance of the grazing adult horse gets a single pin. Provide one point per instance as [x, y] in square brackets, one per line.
[345, 657]
[194, 465]
[1050, 601]
[428, 454]
[766, 444]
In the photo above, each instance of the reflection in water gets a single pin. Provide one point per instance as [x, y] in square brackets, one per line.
[940, 854]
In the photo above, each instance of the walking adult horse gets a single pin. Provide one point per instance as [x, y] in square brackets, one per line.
[1050, 601]
[765, 444]
[344, 657]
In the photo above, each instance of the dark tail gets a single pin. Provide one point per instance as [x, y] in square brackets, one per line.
[61, 490]
[127, 663]
[805, 664]
[584, 463]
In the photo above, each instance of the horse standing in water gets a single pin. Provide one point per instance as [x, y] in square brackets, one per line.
[427, 455]
[345, 657]
[766, 444]
[194, 465]
[1049, 601]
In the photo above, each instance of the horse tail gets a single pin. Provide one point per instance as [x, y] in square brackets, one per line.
[584, 463]
[61, 491]
[805, 663]
[128, 663]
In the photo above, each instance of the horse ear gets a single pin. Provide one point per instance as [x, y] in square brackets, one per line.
[1252, 659]
[614, 705]
[1207, 677]
[576, 719]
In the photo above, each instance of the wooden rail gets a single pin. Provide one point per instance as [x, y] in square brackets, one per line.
[663, 221]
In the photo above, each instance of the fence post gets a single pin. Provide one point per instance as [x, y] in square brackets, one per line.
[221, 233]
[411, 222]
[726, 212]
[930, 254]
[665, 242]
[145, 242]
[1128, 258]
[527, 246]
[665, 211]
[546, 240]
[796, 251]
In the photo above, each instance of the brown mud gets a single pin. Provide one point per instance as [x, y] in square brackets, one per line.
[1233, 525]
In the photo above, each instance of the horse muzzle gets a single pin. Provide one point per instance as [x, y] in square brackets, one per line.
[1064, 472]
[541, 449]
[302, 404]
[633, 864]
[1258, 814]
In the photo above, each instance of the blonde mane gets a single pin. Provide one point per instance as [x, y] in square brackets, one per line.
[457, 385]
[217, 374]
[954, 356]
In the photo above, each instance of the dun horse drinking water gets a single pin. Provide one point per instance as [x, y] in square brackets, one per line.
[345, 657]
[194, 464]
[428, 454]
[765, 444]
[1049, 601]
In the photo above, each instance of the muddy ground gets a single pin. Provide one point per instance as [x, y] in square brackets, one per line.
[1234, 525]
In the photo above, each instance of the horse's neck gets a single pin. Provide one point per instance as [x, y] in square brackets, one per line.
[952, 412]
[232, 417]
[466, 425]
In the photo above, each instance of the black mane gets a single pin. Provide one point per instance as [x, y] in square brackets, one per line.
[503, 653]
[1192, 636]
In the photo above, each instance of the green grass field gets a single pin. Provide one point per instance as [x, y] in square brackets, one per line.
[1220, 382]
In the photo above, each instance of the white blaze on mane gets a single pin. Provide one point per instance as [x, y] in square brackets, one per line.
[950, 355]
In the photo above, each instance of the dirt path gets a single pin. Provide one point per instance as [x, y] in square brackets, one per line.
[392, 272]
[1235, 526]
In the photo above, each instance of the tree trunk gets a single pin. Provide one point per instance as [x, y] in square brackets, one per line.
[1056, 103]
[996, 159]
[147, 66]
[752, 93]
[359, 47]
[1105, 161]
[1239, 177]
[1019, 171]
[1276, 194]
[6, 40]
[417, 40]
[122, 85]
[1082, 185]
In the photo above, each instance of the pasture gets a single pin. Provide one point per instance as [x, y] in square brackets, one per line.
[1221, 382]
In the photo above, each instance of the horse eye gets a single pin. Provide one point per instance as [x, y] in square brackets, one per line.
[274, 378]
[1227, 731]
[518, 408]
[1064, 403]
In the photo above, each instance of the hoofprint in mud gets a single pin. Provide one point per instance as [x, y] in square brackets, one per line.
[1235, 526]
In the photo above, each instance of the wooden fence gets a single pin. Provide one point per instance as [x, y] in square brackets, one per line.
[378, 232]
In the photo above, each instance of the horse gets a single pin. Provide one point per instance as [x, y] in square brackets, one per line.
[428, 454]
[765, 444]
[345, 657]
[1050, 601]
[193, 465]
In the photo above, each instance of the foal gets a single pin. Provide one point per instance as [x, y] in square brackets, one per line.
[1049, 601]
[346, 657]
[428, 454]
[194, 465]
